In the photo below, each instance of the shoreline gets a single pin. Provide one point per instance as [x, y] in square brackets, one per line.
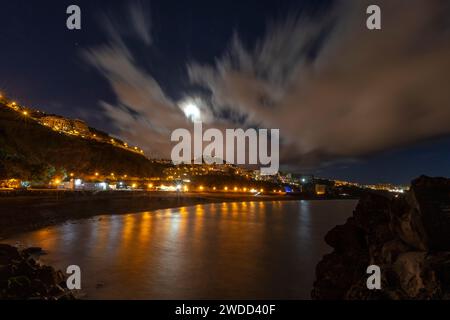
[31, 210]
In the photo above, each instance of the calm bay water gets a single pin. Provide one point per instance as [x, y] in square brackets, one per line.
[246, 250]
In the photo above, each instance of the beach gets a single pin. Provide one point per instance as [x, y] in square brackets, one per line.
[32, 209]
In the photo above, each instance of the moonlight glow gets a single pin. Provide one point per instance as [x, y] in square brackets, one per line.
[191, 110]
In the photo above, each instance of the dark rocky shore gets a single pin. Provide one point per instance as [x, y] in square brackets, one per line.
[407, 236]
[21, 277]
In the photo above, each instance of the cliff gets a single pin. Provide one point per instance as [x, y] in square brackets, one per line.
[31, 151]
[407, 236]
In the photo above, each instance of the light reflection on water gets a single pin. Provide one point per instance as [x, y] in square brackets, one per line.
[249, 250]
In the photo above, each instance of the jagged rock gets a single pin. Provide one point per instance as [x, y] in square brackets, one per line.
[407, 236]
[47, 275]
[407, 223]
[349, 267]
[392, 249]
[39, 287]
[432, 196]
[33, 251]
[439, 263]
[409, 267]
[22, 278]
[346, 237]
[372, 210]
[8, 254]
[19, 286]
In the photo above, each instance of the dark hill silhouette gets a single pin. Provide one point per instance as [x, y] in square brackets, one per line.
[31, 151]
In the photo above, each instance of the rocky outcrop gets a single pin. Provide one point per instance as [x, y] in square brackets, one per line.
[407, 236]
[21, 277]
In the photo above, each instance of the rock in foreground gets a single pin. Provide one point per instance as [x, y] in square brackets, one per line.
[407, 236]
[21, 277]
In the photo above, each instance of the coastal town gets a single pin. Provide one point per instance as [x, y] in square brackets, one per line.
[199, 178]
[223, 159]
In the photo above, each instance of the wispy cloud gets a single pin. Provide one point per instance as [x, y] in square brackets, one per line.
[143, 113]
[334, 89]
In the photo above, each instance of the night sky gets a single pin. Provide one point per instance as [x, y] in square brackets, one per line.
[350, 104]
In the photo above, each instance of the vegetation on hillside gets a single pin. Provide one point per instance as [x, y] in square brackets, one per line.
[30, 151]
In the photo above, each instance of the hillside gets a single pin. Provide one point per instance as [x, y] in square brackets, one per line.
[31, 151]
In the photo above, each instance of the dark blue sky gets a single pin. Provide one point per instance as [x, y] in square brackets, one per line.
[41, 65]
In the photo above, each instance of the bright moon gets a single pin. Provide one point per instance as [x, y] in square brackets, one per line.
[191, 110]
